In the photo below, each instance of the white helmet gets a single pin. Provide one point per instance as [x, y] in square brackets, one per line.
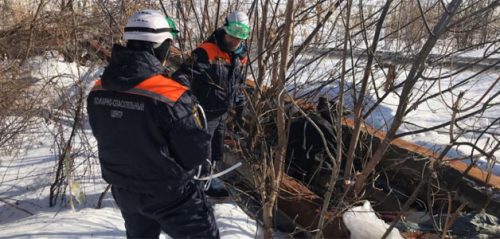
[151, 26]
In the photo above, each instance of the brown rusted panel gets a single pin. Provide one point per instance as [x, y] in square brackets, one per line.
[475, 173]
[295, 200]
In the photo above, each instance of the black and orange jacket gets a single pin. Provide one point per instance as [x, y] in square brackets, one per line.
[215, 74]
[144, 124]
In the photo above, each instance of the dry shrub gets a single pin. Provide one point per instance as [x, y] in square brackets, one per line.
[51, 31]
[29, 33]
[17, 110]
[11, 13]
[406, 22]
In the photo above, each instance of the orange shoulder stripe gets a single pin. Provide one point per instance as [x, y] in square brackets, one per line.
[157, 87]
[214, 52]
[163, 86]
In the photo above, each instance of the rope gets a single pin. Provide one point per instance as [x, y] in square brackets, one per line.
[211, 176]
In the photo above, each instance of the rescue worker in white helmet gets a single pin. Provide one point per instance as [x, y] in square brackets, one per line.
[215, 75]
[150, 137]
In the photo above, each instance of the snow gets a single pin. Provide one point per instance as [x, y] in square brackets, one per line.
[480, 53]
[373, 227]
[234, 223]
[85, 223]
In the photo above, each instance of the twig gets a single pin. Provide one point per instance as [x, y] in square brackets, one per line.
[16, 207]
[101, 197]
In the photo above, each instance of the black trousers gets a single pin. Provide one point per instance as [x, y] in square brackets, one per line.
[216, 124]
[183, 214]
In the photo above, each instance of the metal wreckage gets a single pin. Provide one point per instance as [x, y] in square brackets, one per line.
[463, 192]
[454, 186]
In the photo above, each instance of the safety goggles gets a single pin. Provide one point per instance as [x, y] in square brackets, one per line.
[237, 29]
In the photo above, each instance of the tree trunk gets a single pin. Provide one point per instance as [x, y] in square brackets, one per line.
[277, 164]
[358, 108]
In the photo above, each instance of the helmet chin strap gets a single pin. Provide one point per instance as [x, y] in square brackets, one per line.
[162, 51]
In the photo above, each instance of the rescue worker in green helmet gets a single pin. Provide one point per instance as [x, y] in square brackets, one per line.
[215, 75]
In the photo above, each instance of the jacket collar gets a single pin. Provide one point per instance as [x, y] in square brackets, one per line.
[127, 68]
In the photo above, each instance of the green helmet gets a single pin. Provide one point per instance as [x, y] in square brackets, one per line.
[237, 25]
